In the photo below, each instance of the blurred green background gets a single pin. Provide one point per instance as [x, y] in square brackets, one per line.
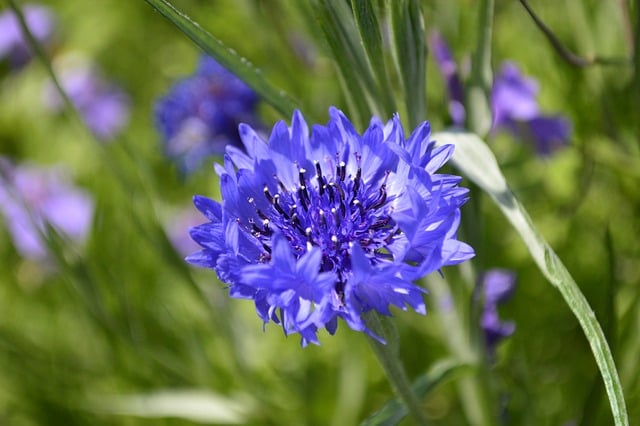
[126, 315]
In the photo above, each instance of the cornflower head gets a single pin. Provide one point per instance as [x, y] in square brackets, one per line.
[103, 105]
[515, 109]
[13, 42]
[514, 103]
[331, 224]
[497, 286]
[32, 196]
[201, 113]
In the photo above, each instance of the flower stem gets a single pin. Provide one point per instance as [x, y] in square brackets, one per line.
[475, 395]
[479, 115]
[387, 354]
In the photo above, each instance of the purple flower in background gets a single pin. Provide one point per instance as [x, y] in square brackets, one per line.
[515, 108]
[13, 43]
[31, 196]
[449, 71]
[103, 106]
[497, 286]
[176, 228]
[514, 102]
[200, 114]
[332, 224]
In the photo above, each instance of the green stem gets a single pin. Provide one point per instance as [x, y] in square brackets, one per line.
[479, 110]
[41, 55]
[387, 354]
[476, 398]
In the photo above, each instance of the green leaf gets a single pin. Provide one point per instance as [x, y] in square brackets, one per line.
[479, 109]
[369, 28]
[410, 51]
[476, 161]
[394, 411]
[194, 405]
[226, 57]
[339, 28]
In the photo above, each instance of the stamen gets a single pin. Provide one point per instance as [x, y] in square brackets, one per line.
[342, 171]
[336, 216]
[276, 204]
[309, 238]
[267, 194]
[301, 173]
[267, 228]
[383, 197]
[340, 191]
[357, 181]
[318, 169]
[321, 182]
[255, 231]
[332, 196]
[381, 223]
[323, 220]
[295, 220]
[358, 204]
[303, 195]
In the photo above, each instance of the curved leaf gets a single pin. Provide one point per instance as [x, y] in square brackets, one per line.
[476, 161]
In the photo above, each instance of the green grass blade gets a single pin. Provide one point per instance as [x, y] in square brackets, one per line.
[479, 109]
[369, 29]
[214, 47]
[476, 161]
[411, 55]
[194, 405]
[339, 28]
[393, 411]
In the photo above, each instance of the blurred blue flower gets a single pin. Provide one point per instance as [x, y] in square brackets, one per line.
[497, 286]
[175, 225]
[13, 43]
[31, 197]
[449, 71]
[514, 102]
[515, 108]
[332, 224]
[200, 114]
[103, 106]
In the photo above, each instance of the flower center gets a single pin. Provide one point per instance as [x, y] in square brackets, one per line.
[330, 212]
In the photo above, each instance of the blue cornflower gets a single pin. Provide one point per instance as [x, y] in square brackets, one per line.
[13, 43]
[103, 105]
[496, 286]
[201, 113]
[514, 103]
[331, 224]
[32, 197]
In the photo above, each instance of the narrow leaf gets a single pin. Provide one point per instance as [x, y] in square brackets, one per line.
[194, 405]
[479, 116]
[369, 29]
[337, 23]
[410, 53]
[476, 161]
[226, 57]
